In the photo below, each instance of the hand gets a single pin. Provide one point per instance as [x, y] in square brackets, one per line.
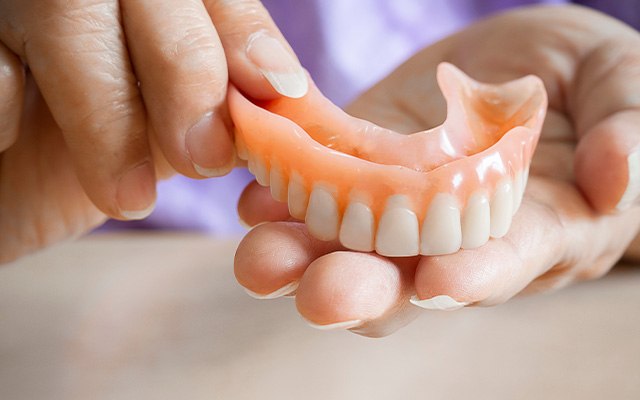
[591, 67]
[118, 94]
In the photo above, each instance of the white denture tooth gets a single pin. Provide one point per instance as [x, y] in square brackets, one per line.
[297, 197]
[251, 165]
[260, 171]
[241, 149]
[476, 222]
[501, 209]
[322, 217]
[357, 229]
[518, 190]
[398, 231]
[441, 231]
[278, 183]
[526, 179]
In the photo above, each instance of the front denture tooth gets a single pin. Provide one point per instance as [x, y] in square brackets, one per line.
[322, 214]
[241, 148]
[251, 164]
[297, 197]
[501, 209]
[278, 183]
[260, 171]
[476, 221]
[398, 232]
[357, 229]
[441, 231]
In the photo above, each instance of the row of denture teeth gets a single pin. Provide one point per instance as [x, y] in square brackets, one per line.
[398, 233]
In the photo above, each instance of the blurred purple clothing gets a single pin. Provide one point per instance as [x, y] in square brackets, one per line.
[347, 46]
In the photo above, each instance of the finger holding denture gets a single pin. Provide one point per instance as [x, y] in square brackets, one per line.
[432, 192]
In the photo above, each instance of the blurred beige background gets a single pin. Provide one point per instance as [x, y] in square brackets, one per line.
[154, 316]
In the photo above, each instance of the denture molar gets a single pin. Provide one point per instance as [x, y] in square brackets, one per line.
[431, 192]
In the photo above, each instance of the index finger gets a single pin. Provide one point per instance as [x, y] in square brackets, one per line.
[261, 62]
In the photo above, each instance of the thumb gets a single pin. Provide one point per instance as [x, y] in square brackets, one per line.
[606, 111]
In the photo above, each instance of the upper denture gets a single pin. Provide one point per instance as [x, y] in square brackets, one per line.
[400, 195]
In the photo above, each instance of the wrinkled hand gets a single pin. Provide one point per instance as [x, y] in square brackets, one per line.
[563, 232]
[117, 94]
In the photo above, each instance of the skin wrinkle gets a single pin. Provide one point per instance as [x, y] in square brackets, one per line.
[250, 10]
[84, 18]
[606, 65]
[121, 101]
[581, 264]
[193, 43]
[123, 112]
[106, 50]
[199, 65]
[226, 14]
[557, 128]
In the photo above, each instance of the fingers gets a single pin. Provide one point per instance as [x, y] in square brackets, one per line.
[11, 96]
[261, 63]
[334, 289]
[182, 70]
[78, 58]
[364, 292]
[256, 206]
[272, 258]
[606, 108]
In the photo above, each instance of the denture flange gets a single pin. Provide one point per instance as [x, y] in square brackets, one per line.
[461, 186]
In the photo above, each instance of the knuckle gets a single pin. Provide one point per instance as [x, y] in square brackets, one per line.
[248, 8]
[74, 18]
[89, 32]
[195, 49]
[119, 112]
[237, 18]
[194, 59]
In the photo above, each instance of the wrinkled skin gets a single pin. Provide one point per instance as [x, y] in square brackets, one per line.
[113, 90]
[566, 229]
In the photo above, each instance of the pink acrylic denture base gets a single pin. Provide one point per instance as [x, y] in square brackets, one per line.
[490, 134]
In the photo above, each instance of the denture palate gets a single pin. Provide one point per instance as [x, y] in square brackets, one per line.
[432, 192]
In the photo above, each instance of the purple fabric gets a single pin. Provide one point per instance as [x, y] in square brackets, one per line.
[347, 46]
[624, 10]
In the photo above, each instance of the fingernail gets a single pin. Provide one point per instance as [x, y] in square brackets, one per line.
[283, 291]
[440, 303]
[210, 147]
[338, 325]
[277, 65]
[632, 192]
[244, 224]
[249, 227]
[135, 189]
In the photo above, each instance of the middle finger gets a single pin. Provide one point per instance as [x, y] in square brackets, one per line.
[182, 70]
